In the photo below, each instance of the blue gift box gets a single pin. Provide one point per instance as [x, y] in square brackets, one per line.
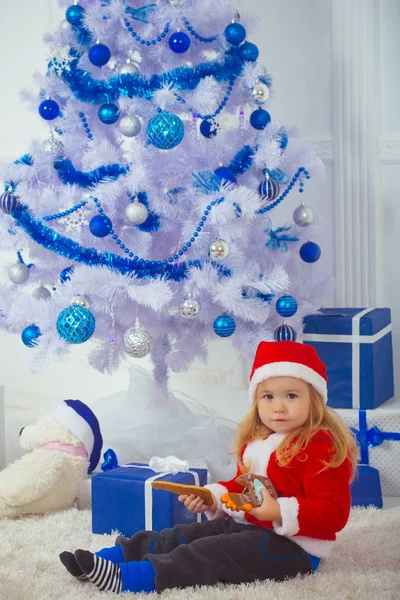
[356, 346]
[366, 488]
[123, 500]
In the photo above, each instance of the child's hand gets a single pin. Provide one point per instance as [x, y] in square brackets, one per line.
[196, 504]
[269, 509]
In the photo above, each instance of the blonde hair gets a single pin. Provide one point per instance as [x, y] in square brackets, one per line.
[321, 418]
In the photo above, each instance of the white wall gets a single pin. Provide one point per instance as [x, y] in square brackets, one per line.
[300, 43]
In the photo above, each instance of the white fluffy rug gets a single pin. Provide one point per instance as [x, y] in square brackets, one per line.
[364, 565]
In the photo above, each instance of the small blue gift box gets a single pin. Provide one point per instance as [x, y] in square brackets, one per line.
[356, 346]
[123, 499]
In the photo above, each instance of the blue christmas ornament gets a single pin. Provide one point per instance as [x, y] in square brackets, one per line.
[165, 130]
[99, 55]
[75, 14]
[277, 175]
[208, 129]
[248, 51]
[49, 109]
[260, 118]
[310, 252]
[269, 190]
[100, 226]
[30, 336]
[286, 306]
[285, 333]
[75, 324]
[225, 174]
[179, 42]
[224, 326]
[8, 202]
[235, 33]
[65, 274]
[108, 113]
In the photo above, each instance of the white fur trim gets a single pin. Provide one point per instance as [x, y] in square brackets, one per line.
[217, 490]
[76, 424]
[289, 516]
[319, 548]
[288, 369]
[258, 453]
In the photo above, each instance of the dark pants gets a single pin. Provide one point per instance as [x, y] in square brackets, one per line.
[215, 551]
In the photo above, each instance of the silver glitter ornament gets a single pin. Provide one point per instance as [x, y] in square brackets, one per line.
[219, 250]
[80, 301]
[137, 341]
[18, 273]
[190, 307]
[41, 293]
[303, 215]
[129, 67]
[260, 93]
[52, 146]
[136, 212]
[130, 126]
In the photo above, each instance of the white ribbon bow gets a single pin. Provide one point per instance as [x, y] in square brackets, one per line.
[169, 464]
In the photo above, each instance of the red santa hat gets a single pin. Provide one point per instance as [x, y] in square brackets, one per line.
[288, 359]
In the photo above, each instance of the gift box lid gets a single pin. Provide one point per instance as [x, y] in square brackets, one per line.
[338, 321]
[141, 472]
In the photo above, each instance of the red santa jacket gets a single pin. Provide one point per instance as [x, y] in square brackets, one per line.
[314, 504]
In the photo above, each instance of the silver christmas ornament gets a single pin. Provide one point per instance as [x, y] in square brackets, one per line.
[177, 2]
[303, 215]
[136, 212]
[129, 67]
[18, 273]
[52, 146]
[190, 307]
[41, 293]
[130, 126]
[80, 301]
[219, 250]
[137, 341]
[260, 93]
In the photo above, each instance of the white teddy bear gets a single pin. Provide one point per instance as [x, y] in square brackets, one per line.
[63, 447]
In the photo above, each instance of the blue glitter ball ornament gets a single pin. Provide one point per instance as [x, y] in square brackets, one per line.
[74, 15]
[49, 109]
[224, 326]
[260, 118]
[286, 306]
[66, 274]
[285, 333]
[8, 202]
[108, 113]
[179, 42]
[165, 130]
[208, 129]
[235, 33]
[269, 189]
[310, 252]
[248, 51]
[99, 55]
[225, 174]
[30, 336]
[75, 324]
[100, 226]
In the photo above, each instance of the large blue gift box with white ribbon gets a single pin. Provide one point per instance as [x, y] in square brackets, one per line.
[123, 499]
[356, 346]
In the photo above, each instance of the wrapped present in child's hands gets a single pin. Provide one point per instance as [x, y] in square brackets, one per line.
[251, 496]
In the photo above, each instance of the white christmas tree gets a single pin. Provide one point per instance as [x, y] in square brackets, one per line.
[145, 221]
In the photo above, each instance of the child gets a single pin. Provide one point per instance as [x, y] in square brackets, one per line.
[291, 437]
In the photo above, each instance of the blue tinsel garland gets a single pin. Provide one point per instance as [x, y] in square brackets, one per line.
[144, 269]
[68, 174]
[127, 85]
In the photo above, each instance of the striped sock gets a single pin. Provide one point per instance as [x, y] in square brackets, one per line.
[102, 573]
